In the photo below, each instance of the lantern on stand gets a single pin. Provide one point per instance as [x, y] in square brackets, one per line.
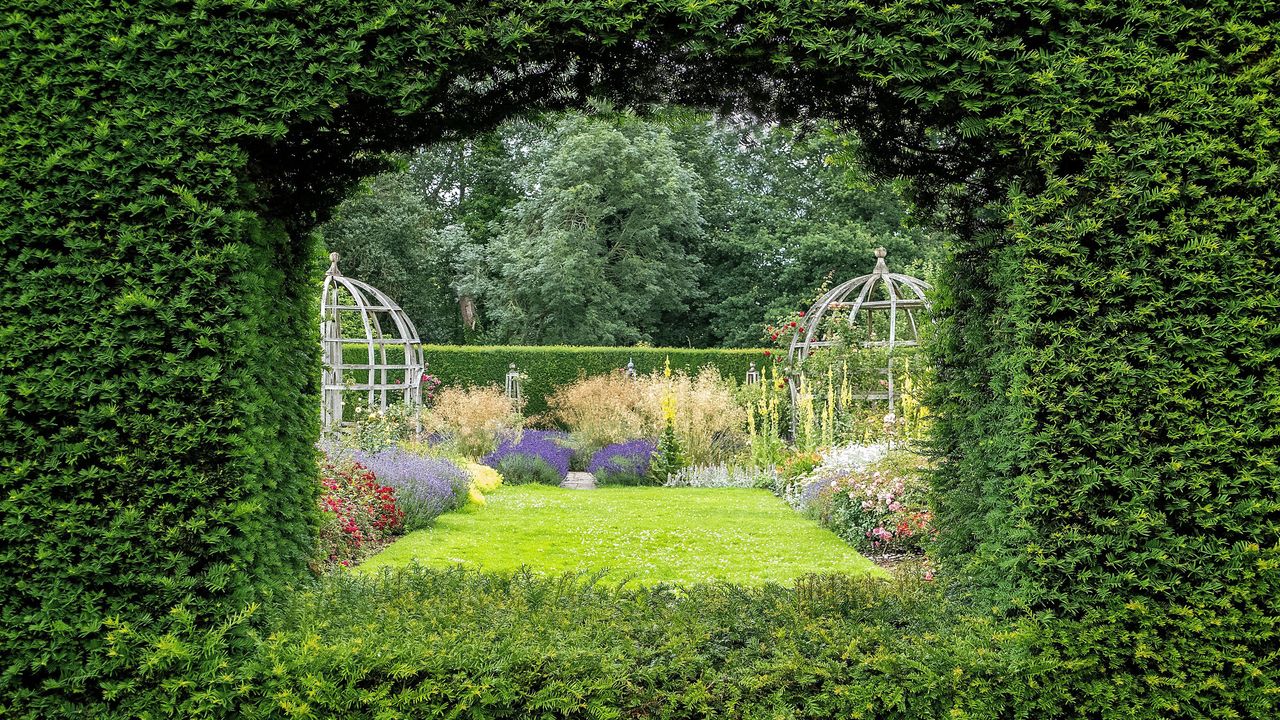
[513, 384]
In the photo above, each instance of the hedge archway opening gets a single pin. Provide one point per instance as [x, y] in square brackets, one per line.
[1109, 343]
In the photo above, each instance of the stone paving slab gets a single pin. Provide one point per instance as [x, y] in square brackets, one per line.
[579, 481]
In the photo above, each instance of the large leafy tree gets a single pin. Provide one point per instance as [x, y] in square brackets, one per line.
[596, 251]
[581, 228]
[788, 214]
[391, 237]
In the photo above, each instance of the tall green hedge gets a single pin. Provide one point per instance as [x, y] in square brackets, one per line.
[550, 367]
[1111, 317]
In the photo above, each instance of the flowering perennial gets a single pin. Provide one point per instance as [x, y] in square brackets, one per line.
[624, 463]
[532, 456]
[425, 486]
[357, 511]
[484, 478]
[880, 508]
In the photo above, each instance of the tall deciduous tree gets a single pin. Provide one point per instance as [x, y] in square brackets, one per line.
[390, 237]
[681, 229]
[596, 251]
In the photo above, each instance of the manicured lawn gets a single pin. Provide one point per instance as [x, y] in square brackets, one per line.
[647, 534]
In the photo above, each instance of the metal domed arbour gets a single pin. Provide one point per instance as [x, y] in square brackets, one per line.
[883, 310]
[356, 313]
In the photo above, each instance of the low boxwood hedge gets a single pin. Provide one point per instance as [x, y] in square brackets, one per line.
[451, 643]
[427, 643]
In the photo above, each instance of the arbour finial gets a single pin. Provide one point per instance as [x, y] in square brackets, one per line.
[881, 267]
[333, 264]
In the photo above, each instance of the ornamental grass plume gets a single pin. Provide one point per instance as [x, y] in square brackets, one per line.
[602, 409]
[472, 418]
[707, 418]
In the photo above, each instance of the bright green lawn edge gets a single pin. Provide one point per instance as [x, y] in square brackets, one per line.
[645, 535]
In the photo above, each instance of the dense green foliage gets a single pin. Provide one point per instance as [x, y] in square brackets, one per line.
[428, 643]
[387, 234]
[679, 228]
[549, 367]
[595, 254]
[1108, 376]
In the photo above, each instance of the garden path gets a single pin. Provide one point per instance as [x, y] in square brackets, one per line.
[579, 481]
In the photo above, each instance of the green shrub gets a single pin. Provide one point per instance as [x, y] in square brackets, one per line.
[450, 643]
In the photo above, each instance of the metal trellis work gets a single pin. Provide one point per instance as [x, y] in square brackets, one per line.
[864, 298]
[381, 324]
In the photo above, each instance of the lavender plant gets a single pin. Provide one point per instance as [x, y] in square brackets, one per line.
[426, 487]
[533, 456]
[624, 463]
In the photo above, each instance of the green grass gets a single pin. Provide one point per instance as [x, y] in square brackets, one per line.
[645, 534]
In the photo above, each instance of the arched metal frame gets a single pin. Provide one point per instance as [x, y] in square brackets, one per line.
[902, 294]
[376, 378]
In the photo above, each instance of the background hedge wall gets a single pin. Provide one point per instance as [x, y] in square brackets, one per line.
[551, 367]
[1110, 354]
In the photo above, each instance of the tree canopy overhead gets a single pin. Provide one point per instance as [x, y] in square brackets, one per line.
[680, 228]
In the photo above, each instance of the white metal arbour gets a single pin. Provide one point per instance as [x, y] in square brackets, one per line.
[382, 324]
[864, 299]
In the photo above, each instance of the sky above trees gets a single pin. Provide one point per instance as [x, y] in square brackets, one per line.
[677, 229]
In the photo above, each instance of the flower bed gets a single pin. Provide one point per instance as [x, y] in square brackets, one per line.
[425, 487]
[624, 463]
[534, 456]
[358, 512]
[877, 506]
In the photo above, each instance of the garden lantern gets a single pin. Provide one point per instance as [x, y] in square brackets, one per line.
[753, 375]
[513, 383]
[353, 313]
[630, 369]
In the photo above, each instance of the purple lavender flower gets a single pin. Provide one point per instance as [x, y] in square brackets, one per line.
[813, 492]
[538, 456]
[624, 463]
[425, 487]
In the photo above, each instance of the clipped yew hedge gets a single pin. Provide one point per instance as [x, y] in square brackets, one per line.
[549, 367]
[1108, 355]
